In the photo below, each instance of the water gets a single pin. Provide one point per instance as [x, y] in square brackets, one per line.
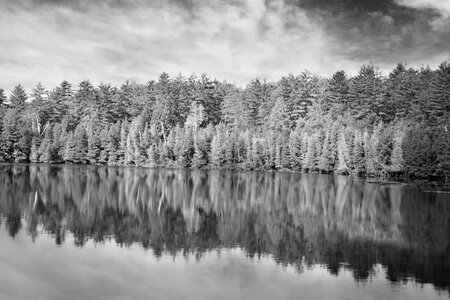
[74, 232]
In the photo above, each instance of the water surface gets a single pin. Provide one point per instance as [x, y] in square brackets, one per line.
[76, 232]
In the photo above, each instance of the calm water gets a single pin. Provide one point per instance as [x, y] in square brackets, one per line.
[127, 233]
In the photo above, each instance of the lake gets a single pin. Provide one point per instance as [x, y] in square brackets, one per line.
[84, 232]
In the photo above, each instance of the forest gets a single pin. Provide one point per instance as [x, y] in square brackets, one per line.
[368, 124]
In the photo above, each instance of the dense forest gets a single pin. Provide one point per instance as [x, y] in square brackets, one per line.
[368, 124]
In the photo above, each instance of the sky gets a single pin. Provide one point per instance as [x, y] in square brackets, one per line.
[112, 41]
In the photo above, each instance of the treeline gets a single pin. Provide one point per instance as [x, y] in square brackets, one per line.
[367, 124]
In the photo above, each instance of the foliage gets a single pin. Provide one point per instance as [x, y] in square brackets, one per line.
[367, 124]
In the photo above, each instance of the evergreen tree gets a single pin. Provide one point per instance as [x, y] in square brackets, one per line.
[248, 160]
[45, 149]
[336, 97]
[217, 156]
[2, 97]
[397, 161]
[34, 152]
[310, 155]
[439, 104]
[60, 100]
[104, 143]
[326, 159]
[10, 134]
[232, 110]
[278, 117]
[70, 149]
[22, 153]
[229, 149]
[343, 156]
[210, 95]
[80, 145]
[196, 116]
[295, 151]
[357, 154]
[365, 94]
[419, 157]
[201, 150]
[113, 147]
[153, 156]
[94, 146]
[18, 98]
[122, 145]
[86, 101]
[40, 108]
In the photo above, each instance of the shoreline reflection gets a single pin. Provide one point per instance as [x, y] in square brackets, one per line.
[298, 220]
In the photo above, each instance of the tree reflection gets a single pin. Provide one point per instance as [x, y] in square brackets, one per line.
[299, 220]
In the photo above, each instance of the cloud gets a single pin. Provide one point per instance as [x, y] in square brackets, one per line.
[116, 40]
[440, 7]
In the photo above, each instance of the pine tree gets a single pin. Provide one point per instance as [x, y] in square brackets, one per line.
[81, 145]
[278, 119]
[310, 155]
[87, 100]
[94, 146]
[233, 109]
[417, 149]
[60, 100]
[278, 154]
[443, 151]
[306, 93]
[397, 161]
[34, 154]
[295, 151]
[196, 116]
[385, 146]
[104, 151]
[18, 98]
[210, 95]
[130, 148]
[230, 141]
[56, 142]
[200, 158]
[326, 158]
[217, 157]
[70, 149]
[248, 146]
[45, 149]
[114, 144]
[22, 153]
[105, 95]
[153, 156]
[187, 150]
[365, 94]
[257, 154]
[439, 102]
[343, 156]
[336, 95]
[2, 97]
[272, 151]
[401, 92]
[369, 158]
[10, 134]
[373, 154]
[122, 146]
[357, 154]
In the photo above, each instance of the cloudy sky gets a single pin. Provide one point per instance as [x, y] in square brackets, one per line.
[115, 40]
